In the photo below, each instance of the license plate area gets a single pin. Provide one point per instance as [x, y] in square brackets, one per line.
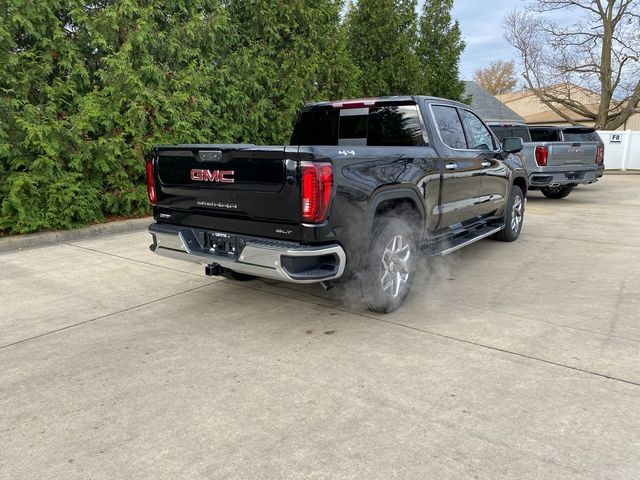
[225, 244]
[572, 175]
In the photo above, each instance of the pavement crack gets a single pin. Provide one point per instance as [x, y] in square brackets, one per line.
[505, 350]
[451, 337]
[599, 242]
[101, 317]
[134, 260]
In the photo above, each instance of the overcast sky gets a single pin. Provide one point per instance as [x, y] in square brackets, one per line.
[481, 24]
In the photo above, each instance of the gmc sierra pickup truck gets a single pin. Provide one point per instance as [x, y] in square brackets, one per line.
[573, 134]
[557, 158]
[363, 188]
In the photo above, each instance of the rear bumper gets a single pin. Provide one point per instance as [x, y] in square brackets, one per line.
[285, 261]
[563, 177]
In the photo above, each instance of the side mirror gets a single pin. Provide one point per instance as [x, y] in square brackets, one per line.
[512, 145]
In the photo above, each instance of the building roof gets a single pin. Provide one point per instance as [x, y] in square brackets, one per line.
[489, 107]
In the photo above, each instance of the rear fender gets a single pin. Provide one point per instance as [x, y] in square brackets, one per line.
[393, 194]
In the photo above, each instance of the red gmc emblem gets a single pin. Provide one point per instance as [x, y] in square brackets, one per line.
[220, 176]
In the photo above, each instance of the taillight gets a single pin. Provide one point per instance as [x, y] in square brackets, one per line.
[541, 156]
[151, 184]
[317, 182]
[599, 154]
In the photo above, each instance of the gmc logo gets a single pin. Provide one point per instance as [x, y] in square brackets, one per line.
[220, 176]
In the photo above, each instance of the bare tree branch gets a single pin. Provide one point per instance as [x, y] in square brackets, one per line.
[597, 58]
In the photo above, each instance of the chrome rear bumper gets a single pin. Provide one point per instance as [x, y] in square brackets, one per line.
[266, 258]
[558, 178]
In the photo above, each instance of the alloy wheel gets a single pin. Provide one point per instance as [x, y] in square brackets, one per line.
[395, 265]
[516, 213]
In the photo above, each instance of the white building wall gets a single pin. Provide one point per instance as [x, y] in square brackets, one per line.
[621, 149]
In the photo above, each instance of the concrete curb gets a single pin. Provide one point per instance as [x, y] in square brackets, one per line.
[63, 236]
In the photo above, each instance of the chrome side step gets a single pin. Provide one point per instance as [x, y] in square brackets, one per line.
[462, 241]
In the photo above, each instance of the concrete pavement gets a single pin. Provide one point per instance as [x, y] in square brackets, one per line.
[513, 360]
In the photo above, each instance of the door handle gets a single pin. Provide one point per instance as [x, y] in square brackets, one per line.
[451, 166]
[485, 164]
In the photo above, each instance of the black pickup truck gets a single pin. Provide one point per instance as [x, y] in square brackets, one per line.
[363, 188]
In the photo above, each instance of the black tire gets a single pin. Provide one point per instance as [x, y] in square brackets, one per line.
[514, 217]
[388, 263]
[556, 193]
[238, 277]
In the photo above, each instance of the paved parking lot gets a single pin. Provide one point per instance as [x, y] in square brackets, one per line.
[513, 361]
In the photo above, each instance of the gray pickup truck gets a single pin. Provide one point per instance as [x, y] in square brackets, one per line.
[557, 158]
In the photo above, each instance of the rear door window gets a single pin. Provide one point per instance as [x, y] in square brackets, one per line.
[450, 126]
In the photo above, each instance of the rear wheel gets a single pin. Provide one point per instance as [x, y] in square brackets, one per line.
[514, 217]
[389, 265]
[556, 193]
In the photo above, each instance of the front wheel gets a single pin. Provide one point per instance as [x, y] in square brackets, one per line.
[514, 216]
[389, 265]
[556, 193]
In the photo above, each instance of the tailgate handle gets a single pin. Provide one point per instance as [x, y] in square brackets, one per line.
[210, 156]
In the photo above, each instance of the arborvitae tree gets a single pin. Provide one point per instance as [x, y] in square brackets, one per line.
[440, 45]
[86, 89]
[42, 76]
[382, 41]
[288, 53]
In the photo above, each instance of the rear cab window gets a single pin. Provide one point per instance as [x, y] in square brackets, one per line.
[580, 135]
[318, 126]
[545, 135]
[508, 131]
[382, 124]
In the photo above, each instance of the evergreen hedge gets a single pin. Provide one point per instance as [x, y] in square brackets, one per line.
[87, 87]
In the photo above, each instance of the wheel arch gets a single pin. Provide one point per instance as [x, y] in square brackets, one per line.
[404, 200]
[521, 181]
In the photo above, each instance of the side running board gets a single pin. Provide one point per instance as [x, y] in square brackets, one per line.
[449, 246]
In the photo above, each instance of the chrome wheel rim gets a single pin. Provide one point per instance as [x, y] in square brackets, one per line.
[395, 266]
[516, 213]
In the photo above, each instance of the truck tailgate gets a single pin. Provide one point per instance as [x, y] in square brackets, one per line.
[228, 186]
[572, 153]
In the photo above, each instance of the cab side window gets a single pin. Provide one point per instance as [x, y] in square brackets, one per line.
[450, 126]
[479, 135]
